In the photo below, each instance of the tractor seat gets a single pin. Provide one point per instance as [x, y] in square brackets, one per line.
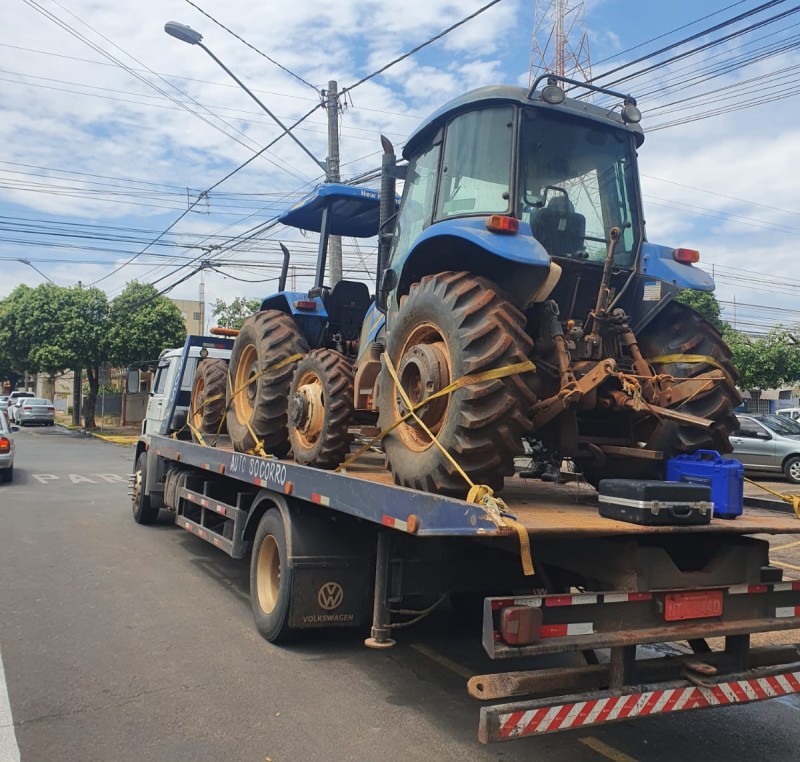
[559, 228]
[347, 304]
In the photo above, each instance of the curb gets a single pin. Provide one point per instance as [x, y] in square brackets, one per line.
[768, 503]
[129, 439]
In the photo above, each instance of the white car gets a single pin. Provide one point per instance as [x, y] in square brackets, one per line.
[790, 412]
[6, 449]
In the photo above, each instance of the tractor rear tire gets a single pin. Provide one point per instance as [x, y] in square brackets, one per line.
[450, 325]
[321, 409]
[679, 330]
[207, 404]
[257, 408]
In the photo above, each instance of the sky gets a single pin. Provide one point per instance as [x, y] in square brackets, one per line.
[107, 122]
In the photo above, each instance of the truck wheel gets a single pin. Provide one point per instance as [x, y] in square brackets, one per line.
[271, 579]
[450, 325]
[678, 330]
[257, 404]
[791, 470]
[207, 404]
[143, 512]
[321, 409]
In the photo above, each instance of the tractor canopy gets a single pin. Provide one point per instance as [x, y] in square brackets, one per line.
[353, 211]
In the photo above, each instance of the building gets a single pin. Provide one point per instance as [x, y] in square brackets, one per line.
[193, 313]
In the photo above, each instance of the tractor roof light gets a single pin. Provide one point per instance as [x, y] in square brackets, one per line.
[501, 223]
[686, 256]
[552, 93]
[631, 114]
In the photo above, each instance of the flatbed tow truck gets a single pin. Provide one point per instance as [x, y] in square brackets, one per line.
[338, 549]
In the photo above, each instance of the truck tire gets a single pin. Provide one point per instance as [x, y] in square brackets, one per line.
[271, 579]
[257, 411]
[207, 404]
[321, 409]
[450, 325]
[677, 330]
[143, 512]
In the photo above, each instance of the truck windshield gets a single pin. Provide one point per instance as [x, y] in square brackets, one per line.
[576, 183]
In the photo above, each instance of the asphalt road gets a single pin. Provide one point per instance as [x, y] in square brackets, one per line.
[122, 642]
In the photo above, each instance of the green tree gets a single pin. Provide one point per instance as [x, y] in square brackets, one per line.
[768, 362]
[705, 303]
[232, 315]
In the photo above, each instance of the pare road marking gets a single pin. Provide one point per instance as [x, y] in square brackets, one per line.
[81, 479]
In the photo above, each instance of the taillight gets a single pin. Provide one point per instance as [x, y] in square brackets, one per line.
[5, 444]
[27, 407]
[686, 256]
[520, 625]
[500, 223]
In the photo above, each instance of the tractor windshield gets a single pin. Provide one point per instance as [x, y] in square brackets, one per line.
[576, 183]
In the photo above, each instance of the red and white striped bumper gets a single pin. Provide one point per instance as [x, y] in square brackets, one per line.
[504, 722]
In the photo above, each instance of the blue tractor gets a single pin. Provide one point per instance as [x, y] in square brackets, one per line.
[519, 242]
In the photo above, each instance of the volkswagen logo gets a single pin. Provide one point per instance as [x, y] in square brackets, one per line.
[330, 596]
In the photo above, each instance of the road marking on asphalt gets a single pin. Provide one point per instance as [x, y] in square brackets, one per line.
[785, 547]
[443, 661]
[9, 750]
[788, 566]
[82, 479]
[595, 744]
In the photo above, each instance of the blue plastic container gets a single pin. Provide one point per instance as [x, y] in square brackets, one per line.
[725, 476]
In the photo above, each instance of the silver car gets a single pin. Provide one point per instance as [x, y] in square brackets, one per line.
[6, 449]
[3, 402]
[33, 410]
[768, 443]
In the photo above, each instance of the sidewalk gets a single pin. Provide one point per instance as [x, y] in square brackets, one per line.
[119, 435]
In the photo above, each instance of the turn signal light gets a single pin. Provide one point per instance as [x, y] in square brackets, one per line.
[520, 625]
[5, 444]
[500, 223]
[305, 304]
[686, 256]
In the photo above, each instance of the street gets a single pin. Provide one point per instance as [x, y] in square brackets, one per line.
[121, 642]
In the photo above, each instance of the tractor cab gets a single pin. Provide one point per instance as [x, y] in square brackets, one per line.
[503, 182]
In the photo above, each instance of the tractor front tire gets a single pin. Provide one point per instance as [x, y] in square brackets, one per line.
[450, 325]
[321, 409]
[261, 374]
[207, 404]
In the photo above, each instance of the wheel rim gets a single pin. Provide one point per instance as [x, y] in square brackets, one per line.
[424, 368]
[794, 470]
[245, 389]
[137, 489]
[268, 574]
[307, 409]
[198, 401]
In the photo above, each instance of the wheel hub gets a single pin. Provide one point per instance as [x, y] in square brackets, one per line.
[423, 371]
[307, 410]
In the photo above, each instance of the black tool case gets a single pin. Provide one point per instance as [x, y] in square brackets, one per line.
[655, 503]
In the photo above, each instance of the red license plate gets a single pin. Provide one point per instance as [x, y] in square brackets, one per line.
[699, 605]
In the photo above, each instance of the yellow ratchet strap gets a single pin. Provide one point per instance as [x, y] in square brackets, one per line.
[480, 494]
[793, 500]
[665, 359]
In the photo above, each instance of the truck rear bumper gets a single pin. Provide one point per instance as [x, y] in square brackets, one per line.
[505, 722]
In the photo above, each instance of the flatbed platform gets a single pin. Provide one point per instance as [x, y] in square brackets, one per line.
[366, 490]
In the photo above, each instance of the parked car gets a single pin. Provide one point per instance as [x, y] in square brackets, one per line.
[790, 412]
[768, 443]
[6, 449]
[3, 402]
[34, 410]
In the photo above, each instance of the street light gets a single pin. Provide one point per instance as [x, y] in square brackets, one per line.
[187, 34]
[30, 264]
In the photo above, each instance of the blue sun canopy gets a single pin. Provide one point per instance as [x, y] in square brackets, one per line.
[354, 212]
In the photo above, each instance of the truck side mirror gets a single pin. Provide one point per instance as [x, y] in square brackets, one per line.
[132, 380]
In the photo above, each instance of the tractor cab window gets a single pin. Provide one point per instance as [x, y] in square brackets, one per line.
[416, 206]
[476, 170]
[576, 184]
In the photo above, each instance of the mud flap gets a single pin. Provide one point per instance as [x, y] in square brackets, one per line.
[330, 592]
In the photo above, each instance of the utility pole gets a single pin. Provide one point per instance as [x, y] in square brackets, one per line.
[332, 176]
[202, 302]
